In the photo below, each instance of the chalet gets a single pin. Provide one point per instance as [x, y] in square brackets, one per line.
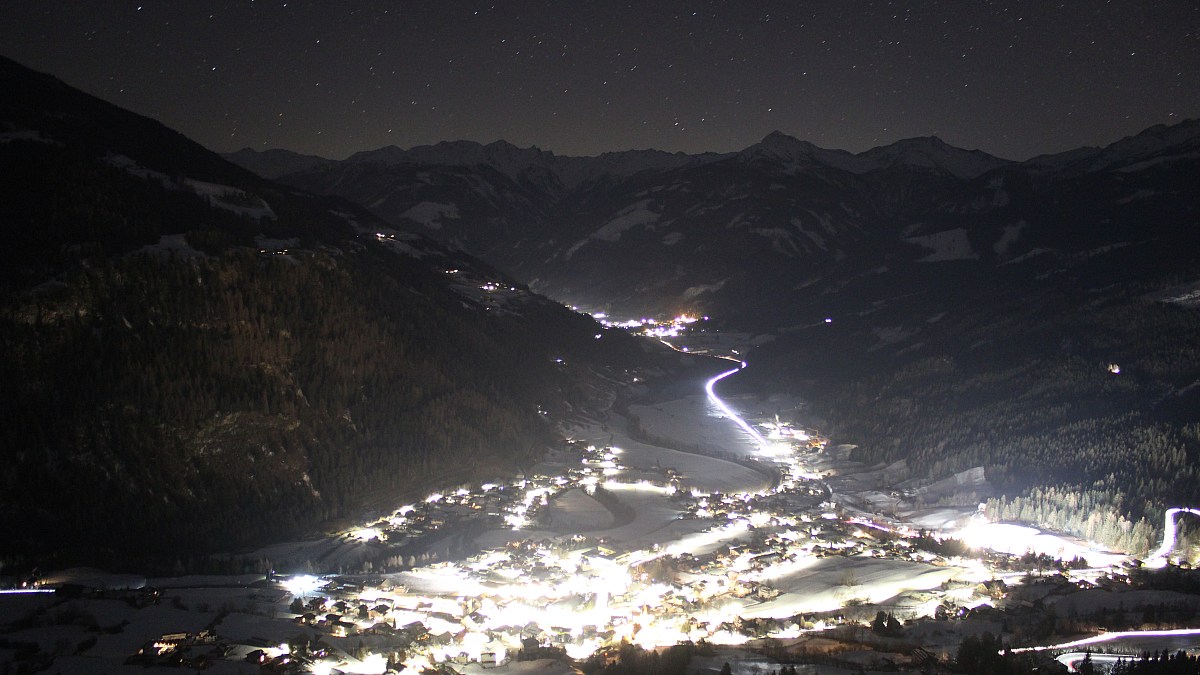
[381, 628]
[380, 611]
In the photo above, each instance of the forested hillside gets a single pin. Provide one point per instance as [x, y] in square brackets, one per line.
[1031, 396]
[192, 365]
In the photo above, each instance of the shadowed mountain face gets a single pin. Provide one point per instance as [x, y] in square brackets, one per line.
[198, 359]
[754, 233]
[936, 305]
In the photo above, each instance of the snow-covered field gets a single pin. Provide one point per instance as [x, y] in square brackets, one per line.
[656, 518]
[693, 421]
[689, 422]
[1017, 539]
[576, 511]
[819, 585]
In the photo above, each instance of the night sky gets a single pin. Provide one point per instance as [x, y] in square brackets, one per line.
[1015, 79]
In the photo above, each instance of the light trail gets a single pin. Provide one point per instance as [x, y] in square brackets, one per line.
[1105, 637]
[712, 395]
[1159, 557]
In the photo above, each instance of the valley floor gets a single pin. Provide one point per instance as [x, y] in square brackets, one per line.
[610, 539]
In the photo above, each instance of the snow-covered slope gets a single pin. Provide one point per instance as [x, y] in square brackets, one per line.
[1157, 144]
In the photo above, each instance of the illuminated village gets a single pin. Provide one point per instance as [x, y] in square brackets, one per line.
[559, 575]
[612, 541]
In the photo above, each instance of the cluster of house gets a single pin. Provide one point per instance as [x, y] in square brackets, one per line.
[576, 593]
[592, 595]
[517, 505]
[186, 650]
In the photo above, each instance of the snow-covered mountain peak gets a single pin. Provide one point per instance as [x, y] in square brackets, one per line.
[780, 147]
[500, 155]
[389, 154]
[928, 152]
[933, 153]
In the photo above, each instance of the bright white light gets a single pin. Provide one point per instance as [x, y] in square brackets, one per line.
[1158, 558]
[365, 534]
[303, 584]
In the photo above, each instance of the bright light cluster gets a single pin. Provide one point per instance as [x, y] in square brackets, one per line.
[658, 328]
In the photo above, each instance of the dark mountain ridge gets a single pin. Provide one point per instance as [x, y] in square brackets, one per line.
[786, 203]
[198, 359]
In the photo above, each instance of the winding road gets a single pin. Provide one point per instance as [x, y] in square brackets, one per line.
[1159, 557]
[712, 396]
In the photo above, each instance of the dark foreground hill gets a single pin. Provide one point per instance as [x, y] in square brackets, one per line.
[196, 359]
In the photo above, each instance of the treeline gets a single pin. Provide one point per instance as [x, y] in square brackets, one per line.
[1095, 514]
[1159, 663]
[630, 659]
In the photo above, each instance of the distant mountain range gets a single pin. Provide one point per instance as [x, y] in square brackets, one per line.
[647, 231]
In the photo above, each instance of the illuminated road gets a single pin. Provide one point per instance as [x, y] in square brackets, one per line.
[1159, 557]
[712, 396]
[1108, 637]
[1072, 659]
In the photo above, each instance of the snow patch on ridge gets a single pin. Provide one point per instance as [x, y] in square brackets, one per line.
[172, 244]
[431, 214]
[24, 135]
[131, 166]
[232, 199]
[1184, 295]
[945, 246]
[782, 241]
[702, 289]
[816, 238]
[635, 215]
[1010, 235]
